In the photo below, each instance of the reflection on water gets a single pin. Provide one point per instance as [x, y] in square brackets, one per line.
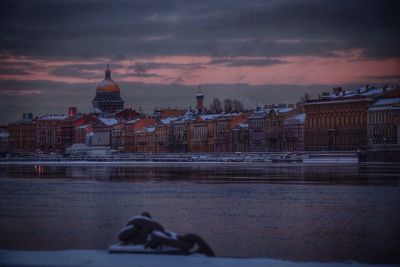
[294, 211]
[251, 173]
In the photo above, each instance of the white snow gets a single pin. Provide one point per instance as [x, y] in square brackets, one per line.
[383, 108]
[210, 116]
[299, 118]
[168, 120]
[132, 121]
[81, 258]
[386, 104]
[283, 110]
[53, 117]
[387, 101]
[108, 121]
[84, 126]
[150, 129]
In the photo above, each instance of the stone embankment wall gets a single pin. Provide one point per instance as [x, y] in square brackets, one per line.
[380, 155]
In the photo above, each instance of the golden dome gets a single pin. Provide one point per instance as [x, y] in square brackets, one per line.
[107, 85]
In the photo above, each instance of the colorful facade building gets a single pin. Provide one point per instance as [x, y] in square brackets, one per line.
[22, 134]
[130, 129]
[117, 136]
[145, 140]
[162, 135]
[336, 125]
[293, 132]
[240, 134]
[178, 136]
[201, 134]
[338, 121]
[274, 125]
[84, 134]
[102, 132]
[258, 131]
[49, 129]
[222, 134]
[382, 126]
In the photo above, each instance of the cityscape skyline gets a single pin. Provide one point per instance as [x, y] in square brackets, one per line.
[53, 54]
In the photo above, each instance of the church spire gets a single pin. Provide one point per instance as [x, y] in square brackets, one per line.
[107, 73]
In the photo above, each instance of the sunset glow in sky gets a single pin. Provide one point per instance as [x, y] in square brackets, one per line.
[53, 53]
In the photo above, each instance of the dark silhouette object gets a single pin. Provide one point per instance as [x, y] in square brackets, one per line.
[203, 247]
[143, 230]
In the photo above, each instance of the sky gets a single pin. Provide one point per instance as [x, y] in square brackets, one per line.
[53, 52]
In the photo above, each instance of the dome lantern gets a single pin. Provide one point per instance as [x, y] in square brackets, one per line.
[107, 85]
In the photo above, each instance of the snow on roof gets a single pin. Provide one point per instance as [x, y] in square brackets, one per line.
[209, 117]
[97, 110]
[53, 117]
[244, 125]
[168, 120]
[132, 121]
[84, 126]
[283, 110]
[384, 108]
[150, 129]
[363, 91]
[257, 115]
[108, 121]
[298, 118]
[386, 104]
[387, 101]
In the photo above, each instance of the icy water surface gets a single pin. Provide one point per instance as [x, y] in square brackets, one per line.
[292, 212]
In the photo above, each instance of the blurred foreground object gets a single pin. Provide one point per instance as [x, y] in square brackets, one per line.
[142, 234]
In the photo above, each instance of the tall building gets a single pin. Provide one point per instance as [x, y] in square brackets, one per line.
[108, 99]
[338, 120]
[22, 134]
[199, 102]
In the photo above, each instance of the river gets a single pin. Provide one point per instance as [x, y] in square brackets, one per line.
[281, 211]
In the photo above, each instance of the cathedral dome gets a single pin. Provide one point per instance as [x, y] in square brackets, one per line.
[107, 85]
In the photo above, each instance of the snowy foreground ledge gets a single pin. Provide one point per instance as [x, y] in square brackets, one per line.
[78, 258]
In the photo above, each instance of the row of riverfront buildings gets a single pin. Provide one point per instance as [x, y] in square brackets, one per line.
[338, 120]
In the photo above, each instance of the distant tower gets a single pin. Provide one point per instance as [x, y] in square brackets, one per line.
[108, 99]
[199, 97]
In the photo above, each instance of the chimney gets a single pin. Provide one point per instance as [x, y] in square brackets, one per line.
[337, 90]
[72, 112]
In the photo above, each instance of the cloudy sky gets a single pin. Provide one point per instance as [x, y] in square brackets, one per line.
[53, 52]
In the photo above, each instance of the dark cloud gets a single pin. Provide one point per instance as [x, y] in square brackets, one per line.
[13, 71]
[120, 29]
[391, 79]
[246, 62]
[77, 71]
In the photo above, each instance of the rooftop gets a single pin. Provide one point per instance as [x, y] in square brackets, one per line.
[108, 121]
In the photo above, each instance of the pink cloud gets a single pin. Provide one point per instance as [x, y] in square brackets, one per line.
[346, 67]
